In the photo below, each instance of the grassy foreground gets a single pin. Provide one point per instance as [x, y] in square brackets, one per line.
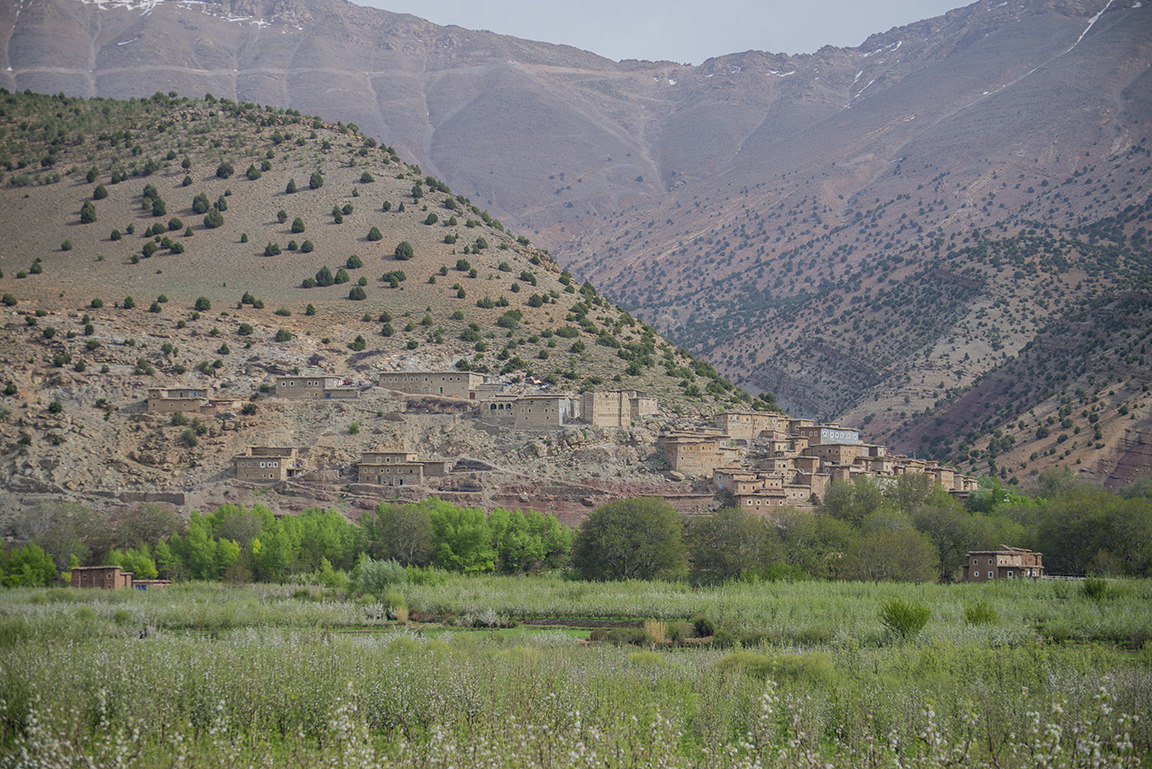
[209, 675]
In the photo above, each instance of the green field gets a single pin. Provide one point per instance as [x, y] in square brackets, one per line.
[211, 675]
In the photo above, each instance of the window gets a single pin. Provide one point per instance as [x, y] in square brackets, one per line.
[976, 574]
[991, 575]
[1009, 574]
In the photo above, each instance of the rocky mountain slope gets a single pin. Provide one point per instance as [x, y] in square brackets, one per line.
[215, 245]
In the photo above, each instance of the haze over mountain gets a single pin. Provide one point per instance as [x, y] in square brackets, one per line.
[868, 232]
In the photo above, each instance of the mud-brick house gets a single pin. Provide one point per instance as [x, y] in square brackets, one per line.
[319, 387]
[749, 425]
[189, 400]
[101, 577]
[1003, 563]
[111, 578]
[269, 463]
[697, 452]
[451, 384]
[616, 408]
[397, 468]
[544, 412]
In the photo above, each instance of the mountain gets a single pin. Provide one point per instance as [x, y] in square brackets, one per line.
[827, 227]
[212, 245]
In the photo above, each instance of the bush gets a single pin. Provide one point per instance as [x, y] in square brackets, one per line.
[703, 626]
[404, 251]
[316, 181]
[357, 294]
[980, 613]
[297, 225]
[291, 186]
[87, 212]
[358, 344]
[224, 170]
[214, 219]
[203, 304]
[283, 335]
[904, 619]
[307, 247]
[178, 419]
[66, 245]
[354, 262]
[374, 234]
[1095, 588]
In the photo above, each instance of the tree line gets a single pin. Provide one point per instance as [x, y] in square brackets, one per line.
[909, 529]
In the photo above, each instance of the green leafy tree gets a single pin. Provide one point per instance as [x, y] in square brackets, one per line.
[316, 181]
[214, 219]
[87, 212]
[630, 539]
[297, 225]
[374, 234]
[731, 542]
[404, 251]
[27, 566]
[224, 170]
[400, 532]
[324, 276]
[463, 540]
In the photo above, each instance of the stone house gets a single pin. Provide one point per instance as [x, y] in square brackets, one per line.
[819, 434]
[616, 408]
[314, 387]
[500, 409]
[697, 453]
[749, 425]
[189, 400]
[1003, 563]
[451, 384]
[269, 463]
[102, 577]
[397, 468]
[544, 412]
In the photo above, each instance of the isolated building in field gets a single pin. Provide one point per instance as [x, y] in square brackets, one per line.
[1003, 563]
[102, 577]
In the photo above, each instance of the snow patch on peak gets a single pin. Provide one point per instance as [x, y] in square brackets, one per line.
[144, 6]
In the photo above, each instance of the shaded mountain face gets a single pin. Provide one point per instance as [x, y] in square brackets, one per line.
[867, 232]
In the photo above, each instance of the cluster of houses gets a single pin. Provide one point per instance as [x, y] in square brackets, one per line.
[761, 459]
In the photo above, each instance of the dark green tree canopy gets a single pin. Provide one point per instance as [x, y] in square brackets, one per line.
[631, 539]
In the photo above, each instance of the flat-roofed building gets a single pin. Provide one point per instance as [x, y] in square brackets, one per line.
[397, 468]
[269, 463]
[749, 425]
[451, 384]
[616, 408]
[818, 434]
[101, 577]
[544, 412]
[320, 387]
[1003, 563]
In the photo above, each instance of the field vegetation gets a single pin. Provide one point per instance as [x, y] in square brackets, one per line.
[211, 674]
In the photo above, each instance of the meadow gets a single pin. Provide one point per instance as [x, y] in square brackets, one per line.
[797, 674]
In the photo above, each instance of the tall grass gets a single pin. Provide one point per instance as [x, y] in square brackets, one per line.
[236, 676]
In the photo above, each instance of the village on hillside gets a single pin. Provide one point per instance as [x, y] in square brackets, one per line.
[761, 460]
